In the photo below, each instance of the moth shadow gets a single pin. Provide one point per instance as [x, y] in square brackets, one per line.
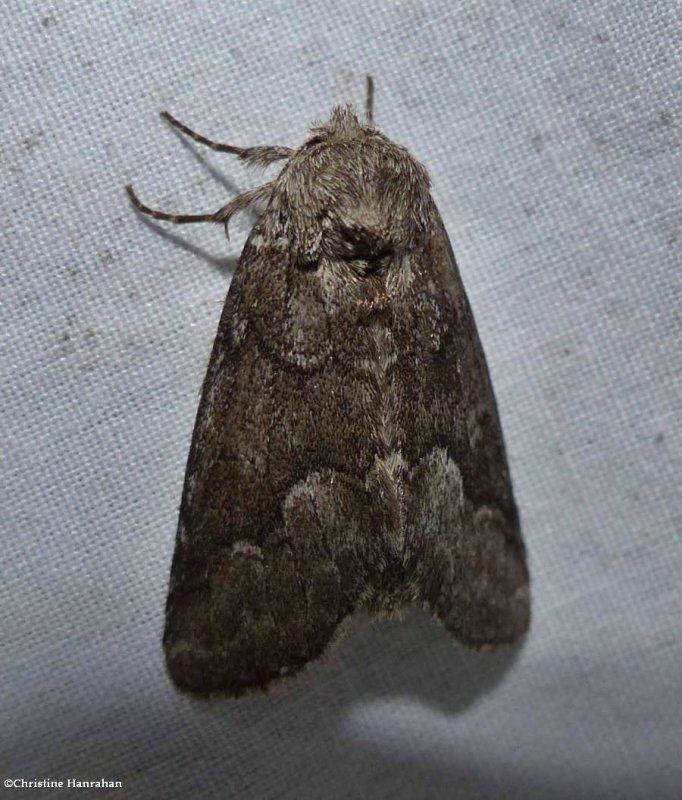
[412, 657]
[198, 154]
[225, 265]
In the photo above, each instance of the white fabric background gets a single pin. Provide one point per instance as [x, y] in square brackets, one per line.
[551, 131]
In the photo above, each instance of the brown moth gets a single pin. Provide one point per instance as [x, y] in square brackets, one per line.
[347, 451]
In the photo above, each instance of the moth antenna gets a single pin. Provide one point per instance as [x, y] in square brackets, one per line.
[259, 156]
[223, 215]
[369, 100]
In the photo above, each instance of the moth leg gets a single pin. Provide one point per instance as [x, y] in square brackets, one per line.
[222, 215]
[467, 562]
[263, 612]
[261, 155]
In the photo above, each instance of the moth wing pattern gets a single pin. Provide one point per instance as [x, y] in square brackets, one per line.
[463, 541]
[347, 450]
[265, 565]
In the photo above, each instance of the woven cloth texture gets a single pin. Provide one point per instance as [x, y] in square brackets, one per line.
[551, 132]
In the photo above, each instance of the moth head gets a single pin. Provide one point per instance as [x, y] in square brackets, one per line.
[351, 195]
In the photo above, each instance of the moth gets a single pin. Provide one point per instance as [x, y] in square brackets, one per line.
[347, 450]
